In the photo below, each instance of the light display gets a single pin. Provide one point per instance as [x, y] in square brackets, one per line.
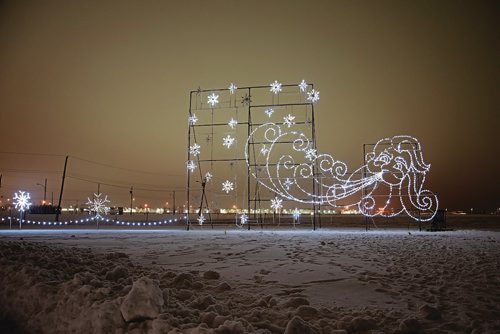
[242, 221]
[395, 165]
[388, 183]
[208, 176]
[228, 141]
[303, 86]
[191, 165]
[232, 123]
[313, 96]
[276, 203]
[213, 99]
[98, 205]
[275, 87]
[194, 149]
[201, 219]
[91, 219]
[193, 119]
[227, 186]
[21, 200]
[232, 88]
[288, 120]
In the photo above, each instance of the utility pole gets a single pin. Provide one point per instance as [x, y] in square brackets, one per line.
[98, 189]
[58, 212]
[131, 198]
[174, 202]
[44, 191]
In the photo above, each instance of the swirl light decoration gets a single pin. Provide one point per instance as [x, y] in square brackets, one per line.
[390, 183]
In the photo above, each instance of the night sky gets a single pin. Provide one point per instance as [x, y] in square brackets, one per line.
[109, 81]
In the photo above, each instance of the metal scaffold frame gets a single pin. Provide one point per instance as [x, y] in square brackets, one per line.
[250, 106]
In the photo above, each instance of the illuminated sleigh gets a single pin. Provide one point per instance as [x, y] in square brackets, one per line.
[388, 184]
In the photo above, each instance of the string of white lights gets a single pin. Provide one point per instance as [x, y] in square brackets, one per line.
[91, 219]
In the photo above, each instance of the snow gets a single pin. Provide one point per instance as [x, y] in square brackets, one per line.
[259, 281]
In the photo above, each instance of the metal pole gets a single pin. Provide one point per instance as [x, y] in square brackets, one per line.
[249, 129]
[189, 158]
[131, 198]
[45, 192]
[364, 176]
[174, 203]
[315, 206]
[62, 189]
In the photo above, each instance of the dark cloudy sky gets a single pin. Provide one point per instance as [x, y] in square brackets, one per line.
[109, 81]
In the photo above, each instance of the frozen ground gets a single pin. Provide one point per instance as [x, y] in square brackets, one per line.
[217, 281]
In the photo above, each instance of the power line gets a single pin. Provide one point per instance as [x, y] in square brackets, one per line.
[121, 168]
[123, 186]
[30, 153]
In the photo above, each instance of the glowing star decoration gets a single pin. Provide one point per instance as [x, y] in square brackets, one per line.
[232, 88]
[303, 86]
[227, 186]
[208, 176]
[275, 87]
[313, 96]
[289, 120]
[296, 214]
[191, 166]
[228, 141]
[213, 99]
[232, 123]
[21, 200]
[98, 204]
[269, 112]
[288, 182]
[193, 119]
[201, 219]
[194, 149]
[264, 149]
[391, 182]
[276, 203]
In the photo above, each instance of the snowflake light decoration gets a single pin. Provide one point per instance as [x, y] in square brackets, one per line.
[228, 141]
[232, 88]
[311, 154]
[227, 186]
[243, 219]
[194, 149]
[276, 203]
[193, 119]
[213, 99]
[269, 112]
[296, 214]
[232, 123]
[288, 182]
[289, 120]
[22, 200]
[208, 176]
[275, 87]
[303, 86]
[264, 149]
[98, 204]
[201, 219]
[313, 96]
[191, 166]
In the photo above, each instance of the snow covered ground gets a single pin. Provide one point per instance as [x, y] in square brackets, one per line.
[237, 281]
